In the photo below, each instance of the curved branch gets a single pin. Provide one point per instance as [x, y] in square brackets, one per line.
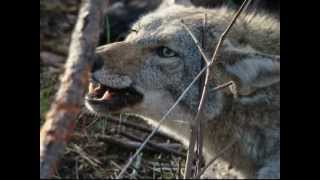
[60, 120]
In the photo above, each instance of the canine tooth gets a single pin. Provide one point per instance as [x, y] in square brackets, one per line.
[97, 87]
[91, 88]
[106, 96]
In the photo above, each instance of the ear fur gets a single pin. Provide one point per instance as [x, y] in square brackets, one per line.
[167, 3]
[252, 70]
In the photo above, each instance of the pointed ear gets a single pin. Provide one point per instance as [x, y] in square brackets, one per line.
[251, 70]
[167, 3]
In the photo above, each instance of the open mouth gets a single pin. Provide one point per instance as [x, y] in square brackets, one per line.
[112, 99]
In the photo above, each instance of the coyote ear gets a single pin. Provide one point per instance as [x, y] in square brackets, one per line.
[166, 3]
[252, 70]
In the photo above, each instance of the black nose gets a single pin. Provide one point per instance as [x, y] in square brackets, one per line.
[97, 63]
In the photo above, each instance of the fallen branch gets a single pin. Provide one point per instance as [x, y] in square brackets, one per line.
[60, 120]
[129, 144]
[137, 127]
[154, 145]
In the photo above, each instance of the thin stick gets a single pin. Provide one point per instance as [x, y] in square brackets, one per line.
[196, 129]
[183, 93]
[91, 160]
[190, 153]
[137, 127]
[228, 146]
[204, 94]
[160, 122]
[77, 169]
[223, 86]
[153, 145]
[60, 120]
[131, 145]
[195, 40]
[224, 34]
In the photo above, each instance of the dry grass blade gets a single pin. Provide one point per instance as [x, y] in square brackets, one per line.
[91, 160]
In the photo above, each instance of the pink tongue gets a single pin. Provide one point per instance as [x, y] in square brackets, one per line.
[106, 96]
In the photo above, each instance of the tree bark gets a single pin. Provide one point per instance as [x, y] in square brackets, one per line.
[60, 120]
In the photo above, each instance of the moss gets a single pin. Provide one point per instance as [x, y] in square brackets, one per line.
[48, 83]
[44, 100]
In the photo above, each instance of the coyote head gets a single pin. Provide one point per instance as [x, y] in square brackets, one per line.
[148, 71]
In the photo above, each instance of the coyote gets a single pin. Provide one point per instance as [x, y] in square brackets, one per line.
[146, 73]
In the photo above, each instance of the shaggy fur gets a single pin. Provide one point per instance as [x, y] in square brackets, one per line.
[249, 57]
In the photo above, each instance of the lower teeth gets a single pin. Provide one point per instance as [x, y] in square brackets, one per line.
[106, 96]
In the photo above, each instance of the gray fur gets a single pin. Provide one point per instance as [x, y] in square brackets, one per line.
[249, 57]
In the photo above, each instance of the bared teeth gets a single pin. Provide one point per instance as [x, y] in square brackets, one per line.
[94, 87]
[97, 87]
[106, 96]
[91, 88]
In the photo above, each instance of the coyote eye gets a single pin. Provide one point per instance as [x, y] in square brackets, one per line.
[166, 52]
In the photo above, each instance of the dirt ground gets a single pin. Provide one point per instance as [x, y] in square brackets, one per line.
[101, 146]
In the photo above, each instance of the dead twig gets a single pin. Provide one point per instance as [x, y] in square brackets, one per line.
[91, 160]
[228, 146]
[137, 127]
[131, 145]
[153, 145]
[159, 124]
[196, 130]
[244, 4]
[118, 167]
[204, 94]
[60, 120]
[77, 169]
[124, 143]
[221, 39]
[196, 126]
[196, 41]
